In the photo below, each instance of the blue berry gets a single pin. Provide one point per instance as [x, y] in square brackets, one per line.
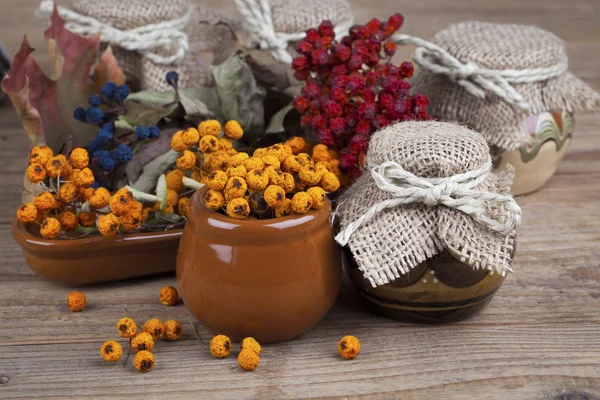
[79, 114]
[95, 99]
[154, 131]
[107, 163]
[172, 78]
[108, 90]
[122, 153]
[141, 132]
[94, 115]
[101, 154]
[121, 92]
[94, 145]
[103, 137]
[109, 127]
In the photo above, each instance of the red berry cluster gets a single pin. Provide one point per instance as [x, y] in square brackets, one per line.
[352, 89]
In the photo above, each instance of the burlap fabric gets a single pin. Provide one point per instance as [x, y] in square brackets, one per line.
[502, 47]
[398, 239]
[140, 71]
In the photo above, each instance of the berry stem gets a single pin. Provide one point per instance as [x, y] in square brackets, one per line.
[128, 353]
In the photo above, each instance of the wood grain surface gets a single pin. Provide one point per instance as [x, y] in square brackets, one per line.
[538, 339]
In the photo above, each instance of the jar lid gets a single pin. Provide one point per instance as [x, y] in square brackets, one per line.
[429, 187]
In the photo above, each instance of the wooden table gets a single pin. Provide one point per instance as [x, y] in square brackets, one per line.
[538, 339]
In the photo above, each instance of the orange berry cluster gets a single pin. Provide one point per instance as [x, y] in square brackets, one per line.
[248, 357]
[142, 342]
[276, 181]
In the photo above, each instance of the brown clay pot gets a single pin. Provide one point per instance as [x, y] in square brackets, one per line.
[269, 279]
[441, 289]
[98, 259]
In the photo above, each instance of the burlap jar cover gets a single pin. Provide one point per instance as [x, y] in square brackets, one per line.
[492, 76]
[429, 187]
[279, 24]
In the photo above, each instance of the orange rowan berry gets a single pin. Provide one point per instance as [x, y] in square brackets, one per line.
[334, 166]
[186, 161]
[142, 341]
[271, 160]
[40, 155]
[144, 361]
[218, 160]
[233, 130]
[121, 202]
[36, 173]
[238, 160]
[238, 208]
[323, 167]
[58, 165]
[111, 351]
[76, 301]
[320, 153]
[168, 296]
[284, 209]
[83, 177]
[175, 180]
[237, 171]
[349, 347]
[127, 327]
[68, 220]
[177, 143]
[330, 182]
[100, 198]
[235, 187]
[297, 144]
[226, 145]
[220, 346]
[288, 183]
[198, 176]
[318, 195]
[260, 152]
[50, 228]
[210, 127]
[131, 222]
[301, 202]
[253, 163]
[309, 175]
[304, 159]
[79, 158]
[86, 193]
[173, 330]
[275, 175]
[250, 343]
[278, 151]
[108, 224]
[183, 206]
[257, 203]
[248, 360]
[87, 219]
[274, 195]
[68, 192]
[154, 327]
[214, 200]
[172, 198]
[217, 180]
[291, 164]
[27, 213]
[257, 179]
[190, 137]
[209, 144]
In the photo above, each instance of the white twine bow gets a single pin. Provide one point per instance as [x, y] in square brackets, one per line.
[455, 191]
[257, 14]
[143, 39]
[473, 78]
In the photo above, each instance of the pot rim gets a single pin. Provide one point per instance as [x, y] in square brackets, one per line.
[92, 243]
[274, 228]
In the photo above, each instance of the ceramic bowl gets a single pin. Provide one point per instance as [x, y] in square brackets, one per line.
[97, 259]
[269, 279]
[535, 165]
[441, 289]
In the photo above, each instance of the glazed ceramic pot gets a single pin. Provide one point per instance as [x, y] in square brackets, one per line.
[269, 279]
[535, 164]
[97, 259]
[441, 289]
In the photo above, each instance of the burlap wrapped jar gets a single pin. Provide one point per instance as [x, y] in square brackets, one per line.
[512, 84]
[189, 29]
[429, 228]
[278, 24]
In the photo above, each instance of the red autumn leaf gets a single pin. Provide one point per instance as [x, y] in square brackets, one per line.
[46, 105]
[107, 70]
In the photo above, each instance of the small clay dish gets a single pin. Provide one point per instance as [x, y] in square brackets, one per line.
[97, 259]
[271, 279]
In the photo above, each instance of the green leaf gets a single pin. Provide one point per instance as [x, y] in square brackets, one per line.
[166, 217]
[142, 196]
[161, 192]
[146, 153]
[145, 113]
[241, 97]
[276, 122]
[153, 170]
